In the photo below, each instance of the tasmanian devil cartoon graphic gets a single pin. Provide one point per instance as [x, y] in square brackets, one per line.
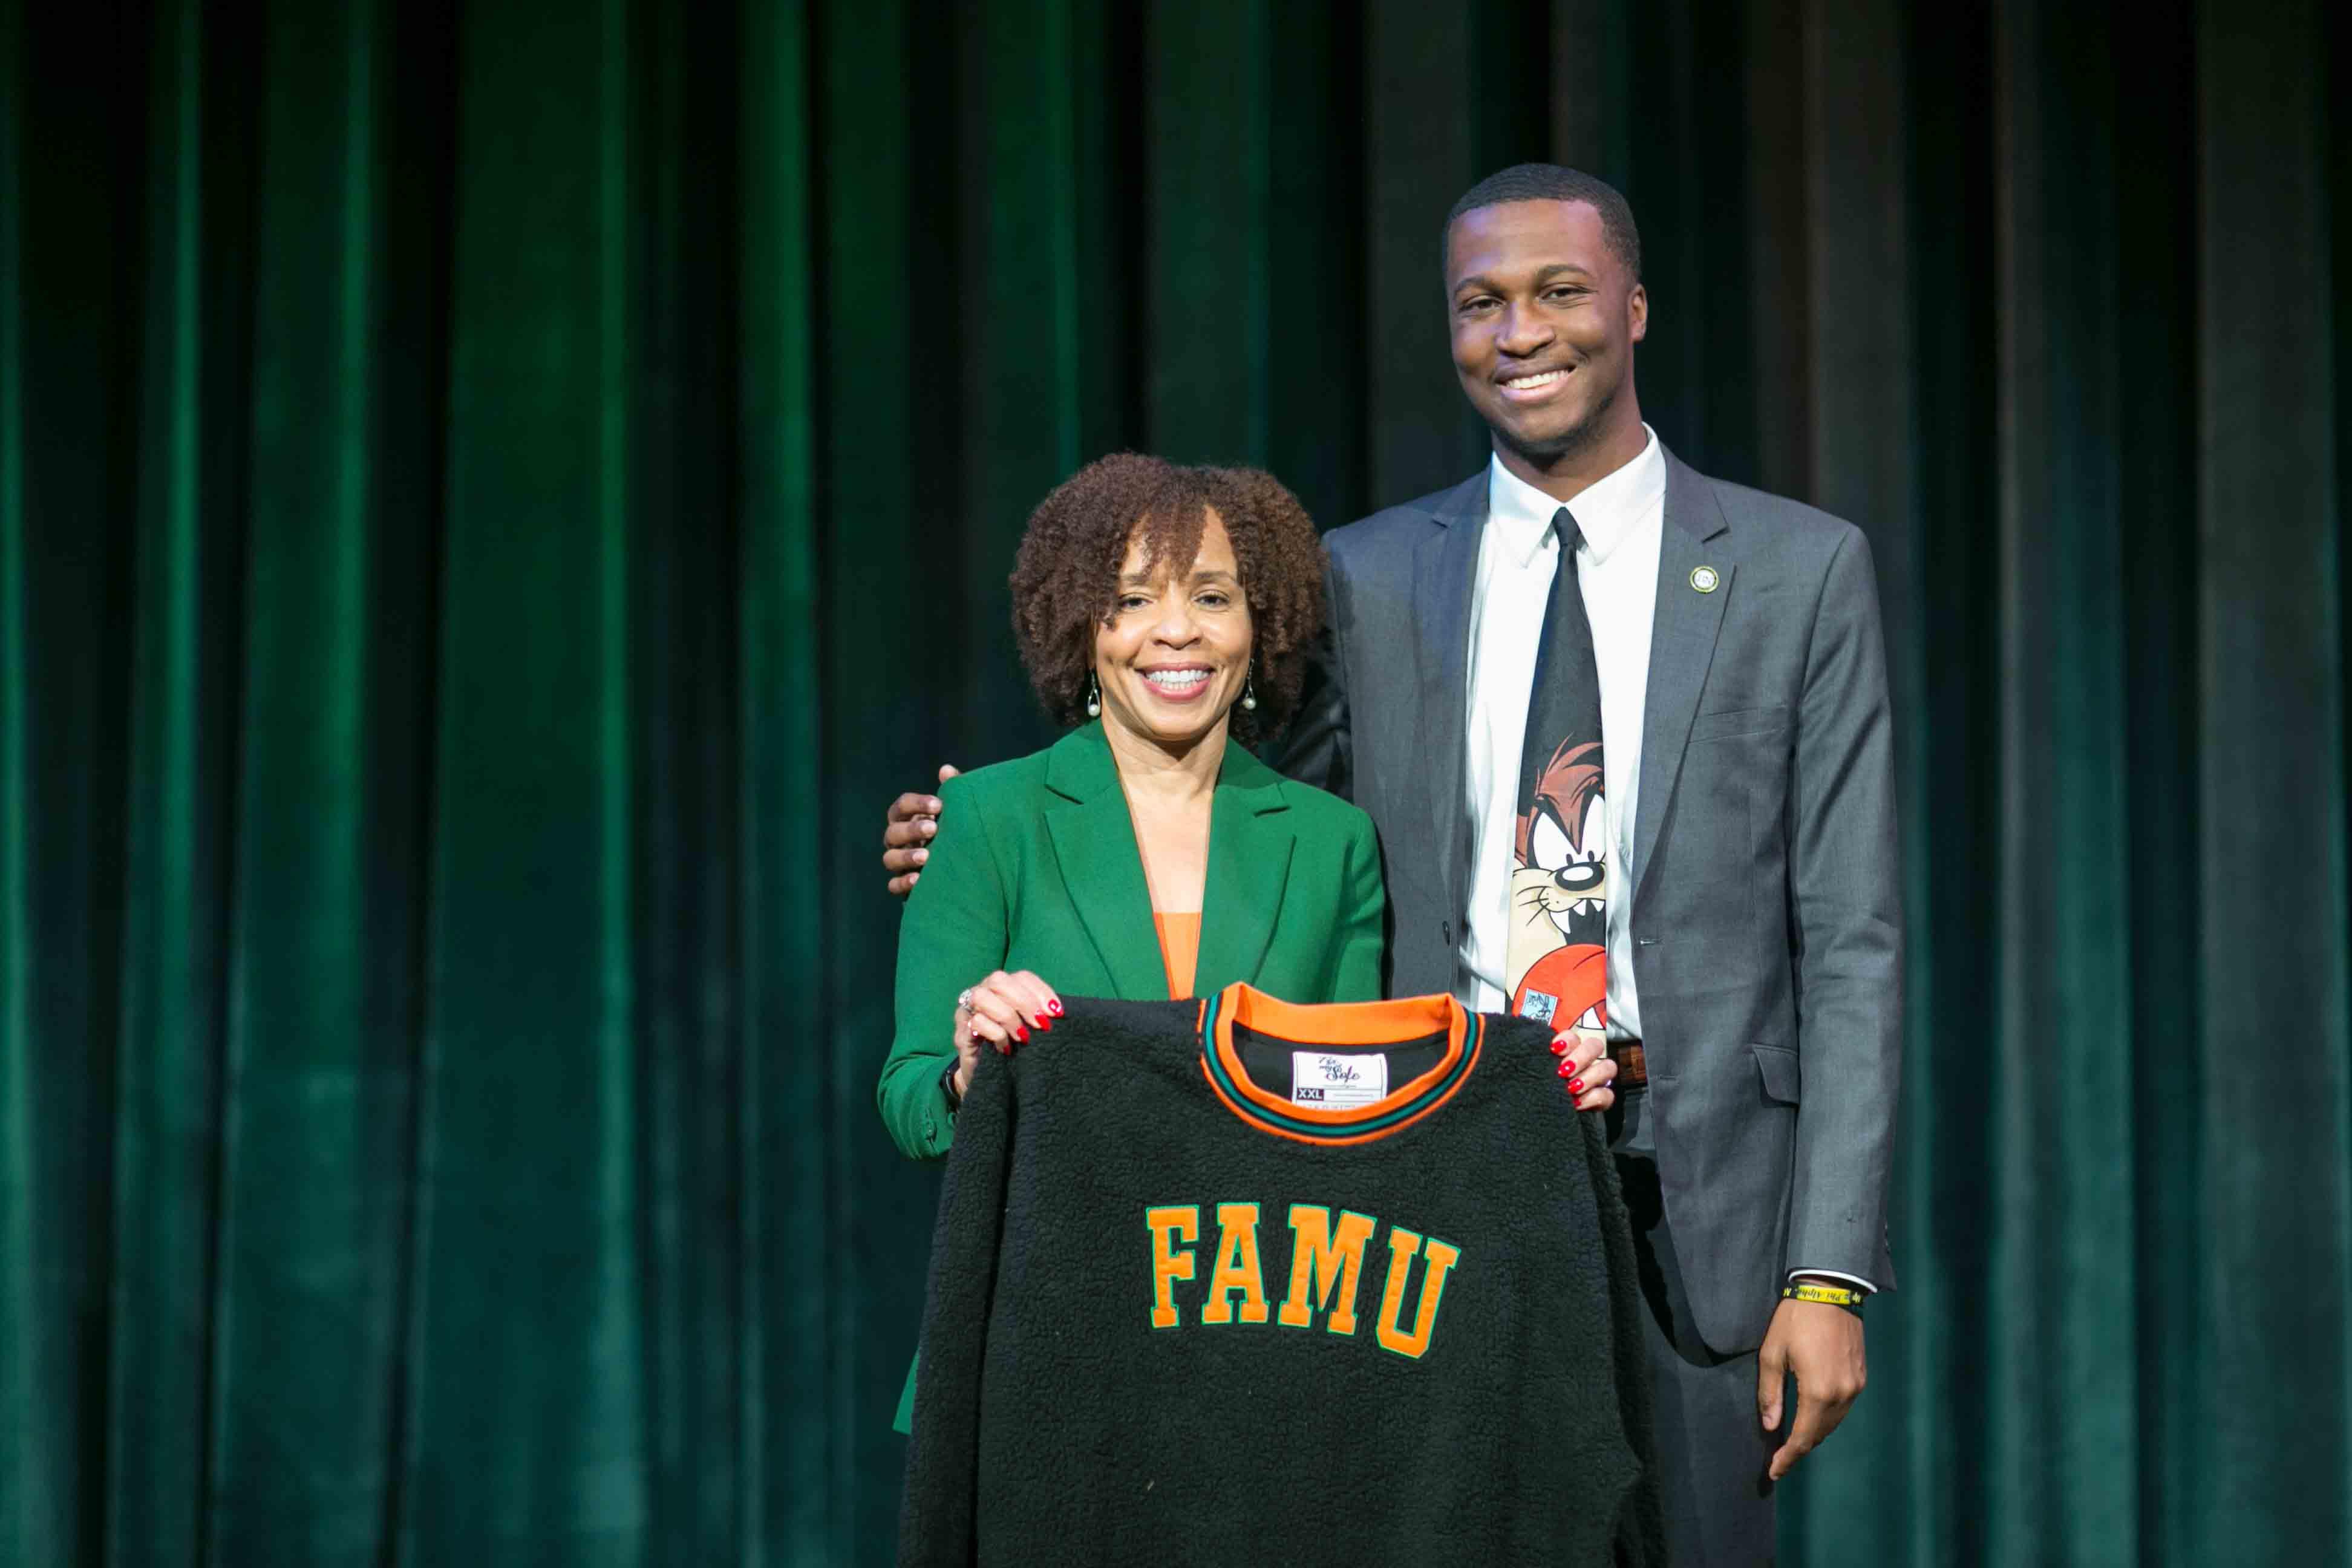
[1560, 891]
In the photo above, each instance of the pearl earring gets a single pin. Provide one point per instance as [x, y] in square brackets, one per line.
[1249, 690]
[1093, 699]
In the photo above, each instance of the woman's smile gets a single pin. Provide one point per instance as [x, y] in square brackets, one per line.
[1177, 682]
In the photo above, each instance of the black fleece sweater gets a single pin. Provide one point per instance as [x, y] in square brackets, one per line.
[1345, 1284]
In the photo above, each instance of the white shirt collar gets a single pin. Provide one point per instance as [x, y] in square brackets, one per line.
[1520, 515]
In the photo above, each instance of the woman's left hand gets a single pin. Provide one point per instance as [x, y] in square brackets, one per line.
[1584, 1069]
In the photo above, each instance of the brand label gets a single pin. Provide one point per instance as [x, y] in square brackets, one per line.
[1329, 1081]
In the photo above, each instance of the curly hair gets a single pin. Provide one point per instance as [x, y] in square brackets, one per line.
[1066, 577]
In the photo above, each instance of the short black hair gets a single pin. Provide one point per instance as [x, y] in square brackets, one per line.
[1552, 183]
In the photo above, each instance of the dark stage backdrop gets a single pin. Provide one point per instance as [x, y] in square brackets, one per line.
[495, 496]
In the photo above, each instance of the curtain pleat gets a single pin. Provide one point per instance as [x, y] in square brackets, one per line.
[529, 1339]
[789, 1415]
[494, 499]
[185, 633]
[34, 1333]
[2276, 1155]
[316, 1176]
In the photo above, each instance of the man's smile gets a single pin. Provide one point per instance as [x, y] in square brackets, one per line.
[1533, 385]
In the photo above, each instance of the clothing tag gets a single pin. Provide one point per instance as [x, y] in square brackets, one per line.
[1332, 1082]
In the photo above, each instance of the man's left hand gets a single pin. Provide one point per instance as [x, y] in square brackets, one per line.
[1822, 1345]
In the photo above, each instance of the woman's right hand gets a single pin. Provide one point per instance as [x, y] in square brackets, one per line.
[1000, 1011]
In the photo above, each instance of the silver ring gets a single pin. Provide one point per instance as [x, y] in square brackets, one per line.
[963, 1000]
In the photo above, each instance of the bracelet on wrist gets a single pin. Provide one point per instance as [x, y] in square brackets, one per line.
[1825, 1295]
[948, 1083]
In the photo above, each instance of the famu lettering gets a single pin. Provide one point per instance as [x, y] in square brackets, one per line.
[1328, 1254]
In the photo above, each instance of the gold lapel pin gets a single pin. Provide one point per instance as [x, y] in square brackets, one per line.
[1706, 579]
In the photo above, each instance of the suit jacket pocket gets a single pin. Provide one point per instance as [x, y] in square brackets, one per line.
[1778, 1064]
[1738, 721]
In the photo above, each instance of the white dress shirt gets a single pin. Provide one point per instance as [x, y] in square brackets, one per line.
[1622, 519]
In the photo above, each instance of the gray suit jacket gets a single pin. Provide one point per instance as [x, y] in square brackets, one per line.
[1766, 913]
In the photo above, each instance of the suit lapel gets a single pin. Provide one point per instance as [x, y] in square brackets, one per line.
[1250, 843]
[1682, 647]
[1102, 870]
[1445, 571]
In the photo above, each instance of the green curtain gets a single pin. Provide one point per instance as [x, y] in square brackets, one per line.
[495, 496]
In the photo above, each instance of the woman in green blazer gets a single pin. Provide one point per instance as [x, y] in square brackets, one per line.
[1040, 876]
[1159, 609]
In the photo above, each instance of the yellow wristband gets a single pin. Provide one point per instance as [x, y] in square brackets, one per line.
[1826, 1295]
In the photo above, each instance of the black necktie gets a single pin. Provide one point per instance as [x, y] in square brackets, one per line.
[1557, 956]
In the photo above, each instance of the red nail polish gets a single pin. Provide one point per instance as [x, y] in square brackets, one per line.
[1055, 1006]
[1559, 1045]
[1576, 1086]
[1565, 1070]
[1043, 1023]
[1021, 1034]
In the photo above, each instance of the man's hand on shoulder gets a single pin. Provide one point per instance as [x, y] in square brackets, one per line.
[1821, 1346]
[907, 832]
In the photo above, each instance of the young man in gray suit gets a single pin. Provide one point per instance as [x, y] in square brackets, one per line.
[1725, 839]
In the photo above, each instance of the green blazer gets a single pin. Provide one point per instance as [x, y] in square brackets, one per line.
[1035, 868]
